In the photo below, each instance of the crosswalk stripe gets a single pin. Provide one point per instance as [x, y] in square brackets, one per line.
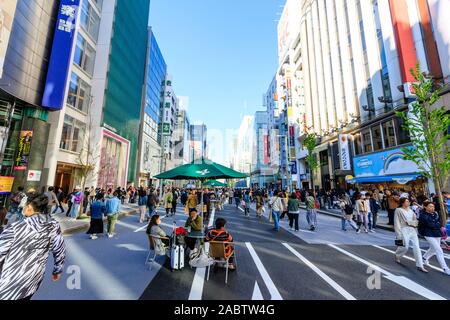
[321, 274]
[400, 280]
[199, 277]
[275, 295]
[406, 257]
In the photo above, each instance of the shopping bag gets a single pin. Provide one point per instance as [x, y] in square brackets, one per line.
[186, 210]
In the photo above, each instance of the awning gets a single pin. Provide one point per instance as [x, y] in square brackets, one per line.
[401, 179]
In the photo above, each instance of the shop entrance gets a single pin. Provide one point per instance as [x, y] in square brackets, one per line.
[65, 177]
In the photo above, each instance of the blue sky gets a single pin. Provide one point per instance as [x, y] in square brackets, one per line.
[221, 53]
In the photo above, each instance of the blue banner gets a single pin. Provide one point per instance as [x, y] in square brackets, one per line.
[382, 164]
[58, 69]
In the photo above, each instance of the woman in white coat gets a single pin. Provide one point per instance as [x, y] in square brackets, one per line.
[405, 224]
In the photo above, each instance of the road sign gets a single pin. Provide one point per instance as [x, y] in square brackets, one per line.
[166, 129]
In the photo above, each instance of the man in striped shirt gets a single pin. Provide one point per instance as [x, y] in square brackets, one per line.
[219, 233]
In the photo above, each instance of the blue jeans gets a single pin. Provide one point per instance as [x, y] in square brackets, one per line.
[237, 202]
[276, 219]
[349, 222]
[74, 210]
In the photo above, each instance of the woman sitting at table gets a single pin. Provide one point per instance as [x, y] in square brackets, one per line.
[194, 224]
[153, 229]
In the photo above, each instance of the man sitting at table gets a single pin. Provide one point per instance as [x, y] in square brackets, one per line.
[195, 224]
[219, 233]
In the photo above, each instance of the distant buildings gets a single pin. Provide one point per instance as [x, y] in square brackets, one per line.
[199, 141]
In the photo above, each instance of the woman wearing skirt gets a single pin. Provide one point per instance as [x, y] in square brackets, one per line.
[98, 209]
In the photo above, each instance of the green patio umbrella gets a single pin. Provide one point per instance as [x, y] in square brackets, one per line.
[214, 183]
[202, 170]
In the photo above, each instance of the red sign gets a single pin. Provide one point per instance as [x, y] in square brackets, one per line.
[266, 149]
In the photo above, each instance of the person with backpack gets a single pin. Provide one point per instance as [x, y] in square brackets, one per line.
[14, 208]
[347, 212]
[293, 211]
[167, 200]
[277, 205]
[311, 214]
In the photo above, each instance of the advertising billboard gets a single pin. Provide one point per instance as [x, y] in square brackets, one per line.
[7, 12]
[6, 184]
[24, 148]
[60, 59]
[385, 166]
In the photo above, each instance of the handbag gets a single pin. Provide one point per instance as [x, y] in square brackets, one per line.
[444, 233]
[399, 243]
[316, 204]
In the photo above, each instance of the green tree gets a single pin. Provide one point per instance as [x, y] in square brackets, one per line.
[310, 144]
[428, 128]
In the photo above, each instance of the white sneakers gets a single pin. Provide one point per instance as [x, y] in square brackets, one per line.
[93, 237]
[110, 235]
[447, 272]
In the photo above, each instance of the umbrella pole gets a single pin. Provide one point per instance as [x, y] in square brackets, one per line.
[201, 201]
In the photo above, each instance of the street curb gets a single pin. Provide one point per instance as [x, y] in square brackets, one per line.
[85, 227]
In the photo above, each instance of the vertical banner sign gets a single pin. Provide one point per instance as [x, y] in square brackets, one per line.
[344, 152]
[266, 147]
[58, 69]
[7, 12]
[23, 153]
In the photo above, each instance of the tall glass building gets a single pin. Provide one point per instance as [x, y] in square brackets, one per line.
[156, 75]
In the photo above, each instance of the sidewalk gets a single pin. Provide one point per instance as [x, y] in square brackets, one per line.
[382, 221]
[69, 227]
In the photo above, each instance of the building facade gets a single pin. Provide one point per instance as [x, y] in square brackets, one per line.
[261, 175]
[26, 36]
[102, 99]
[199, 135]
[355, 59]
[182, 134]
[150, 148]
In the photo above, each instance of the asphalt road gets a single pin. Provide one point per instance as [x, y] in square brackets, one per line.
[322, 265]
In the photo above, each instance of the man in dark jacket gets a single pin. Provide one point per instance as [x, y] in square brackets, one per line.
[60, 196]
[152, 201]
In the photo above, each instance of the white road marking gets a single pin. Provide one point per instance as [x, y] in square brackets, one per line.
[199, 277]
[131, 247]
[321, 274]
[446, 256]
[275, 295]
[257, 295]
[141, 228]
[400, 280]
[407, 258]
